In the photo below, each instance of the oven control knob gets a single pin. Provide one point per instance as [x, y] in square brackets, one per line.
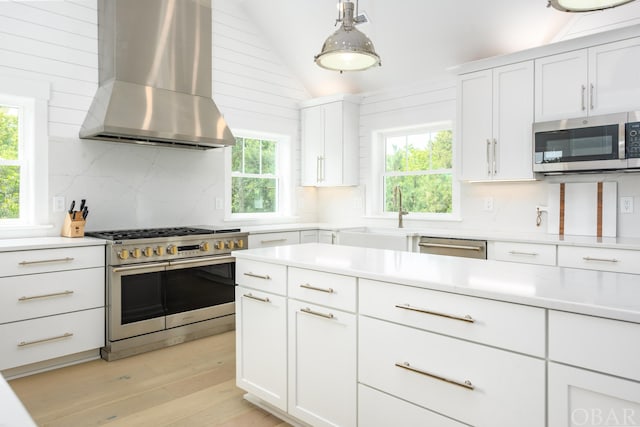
[159, 250]
[148, 251]
[240, 244]
[123, 254]
[205, 246]
[172, 249]
[231, 244]
[136, 253]
[220, 245]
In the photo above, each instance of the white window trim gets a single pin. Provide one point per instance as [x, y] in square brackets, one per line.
[32, 96]
[376, 208]
[284, 177]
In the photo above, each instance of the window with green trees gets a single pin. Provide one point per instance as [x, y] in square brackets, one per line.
[421, 164]
[10, 162]
[254, 176]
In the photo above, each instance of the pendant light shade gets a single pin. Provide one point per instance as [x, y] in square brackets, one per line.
[347, 49]
[585, 5]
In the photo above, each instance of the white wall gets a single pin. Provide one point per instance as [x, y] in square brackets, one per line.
[141, 186]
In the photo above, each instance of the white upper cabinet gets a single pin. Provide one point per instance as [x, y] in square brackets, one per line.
[330, 143]
[495, 110]
[598, 80]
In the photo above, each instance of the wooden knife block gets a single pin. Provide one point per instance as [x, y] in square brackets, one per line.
[73, 227]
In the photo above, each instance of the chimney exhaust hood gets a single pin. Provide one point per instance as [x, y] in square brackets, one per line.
[155, 76]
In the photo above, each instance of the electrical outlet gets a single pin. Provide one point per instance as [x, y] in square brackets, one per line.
[626, 204]
[59, 204]
[219, 204]
[488, 204]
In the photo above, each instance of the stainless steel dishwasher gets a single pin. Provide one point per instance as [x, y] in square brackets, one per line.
[466, 248]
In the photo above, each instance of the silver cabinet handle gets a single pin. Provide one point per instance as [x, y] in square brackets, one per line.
[584, 89]
[591, 103]
[56, 294]
[43, 340]
[466, 384]
[495, 168]
[487, 156]
[523, 253]
[46, 261]
[273, 240]
[317, 313]
[322, 171]
[333, 238]
[442, 245]
[258, 276]
[465, 318]
[318, 169]
[588, 258]
[256, 298]
[313, 288]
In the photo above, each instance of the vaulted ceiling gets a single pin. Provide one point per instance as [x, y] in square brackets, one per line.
[416, 39]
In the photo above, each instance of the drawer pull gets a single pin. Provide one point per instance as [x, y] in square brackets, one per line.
[273, 241]
[316, 313]
[441, 245]
[406, 365]
[313, 288]
[256, 298]
[523, 253]
[258, 276]
[46, 261]
[465, 318]
[588, 258]
[56, 294]
[43, 340]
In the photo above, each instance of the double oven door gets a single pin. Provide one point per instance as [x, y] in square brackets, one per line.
[152, 297]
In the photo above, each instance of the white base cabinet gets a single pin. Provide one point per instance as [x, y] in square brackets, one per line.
[322, 365]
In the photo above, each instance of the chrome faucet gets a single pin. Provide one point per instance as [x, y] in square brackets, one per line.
[397, 200]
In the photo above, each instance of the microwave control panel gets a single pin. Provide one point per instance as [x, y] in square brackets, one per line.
[633, 140]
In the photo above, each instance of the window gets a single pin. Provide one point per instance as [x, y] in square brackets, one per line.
[258, 165]
[12, 167]
[419, 162]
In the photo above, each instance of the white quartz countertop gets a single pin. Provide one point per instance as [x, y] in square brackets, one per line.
[12, 412]
[612, 295]
[29, 243]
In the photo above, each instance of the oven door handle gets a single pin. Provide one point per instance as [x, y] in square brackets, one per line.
[199, 262]
[140, 267]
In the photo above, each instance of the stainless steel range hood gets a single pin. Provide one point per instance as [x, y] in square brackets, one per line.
[155, 76]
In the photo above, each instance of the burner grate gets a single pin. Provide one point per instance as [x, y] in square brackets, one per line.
[147, 233]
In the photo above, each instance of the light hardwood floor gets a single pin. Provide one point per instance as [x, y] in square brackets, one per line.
[191, 384]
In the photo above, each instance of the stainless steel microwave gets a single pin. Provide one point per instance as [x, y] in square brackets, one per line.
[598, 143]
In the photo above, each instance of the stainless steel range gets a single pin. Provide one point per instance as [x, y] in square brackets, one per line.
[168, 285]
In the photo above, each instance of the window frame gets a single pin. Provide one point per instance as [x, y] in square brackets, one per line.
[282, 176]
[32, 98]
[378, 164]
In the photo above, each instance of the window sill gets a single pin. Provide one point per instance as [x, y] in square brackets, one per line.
[417, 217]
[267, 219]
[10, 231]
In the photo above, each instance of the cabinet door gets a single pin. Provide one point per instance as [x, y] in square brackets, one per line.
[322, 365]
[326, 236]
[312, 122]
[511, 151]
[582, 398]
[475, 118]
[561, 86]
[309, 236]
[614, 78]
[331, 172]
[261, 345]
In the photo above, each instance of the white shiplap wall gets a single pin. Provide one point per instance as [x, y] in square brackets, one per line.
[56, 41]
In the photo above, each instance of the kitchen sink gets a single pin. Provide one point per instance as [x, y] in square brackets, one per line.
[373, 237]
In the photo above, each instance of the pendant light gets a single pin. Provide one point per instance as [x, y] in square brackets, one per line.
[347, 49]
[585, 5]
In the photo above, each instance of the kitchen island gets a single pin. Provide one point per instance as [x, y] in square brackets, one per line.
[335, 335]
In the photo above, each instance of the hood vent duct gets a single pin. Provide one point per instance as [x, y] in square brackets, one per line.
[155, 76]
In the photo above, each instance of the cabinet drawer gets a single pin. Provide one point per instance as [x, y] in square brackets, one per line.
[526, 253]
[605, 259]
[47, 260]
[332, 290]
[274, 239]
[376, 409]
[604, 345]
[515, 327]
[509, 389]
[38, 295]
[35, 340]
[262, 275]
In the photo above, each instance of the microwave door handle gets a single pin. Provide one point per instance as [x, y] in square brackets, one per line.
[622, 145]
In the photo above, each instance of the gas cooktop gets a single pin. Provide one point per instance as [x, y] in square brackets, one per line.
[148, 233]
